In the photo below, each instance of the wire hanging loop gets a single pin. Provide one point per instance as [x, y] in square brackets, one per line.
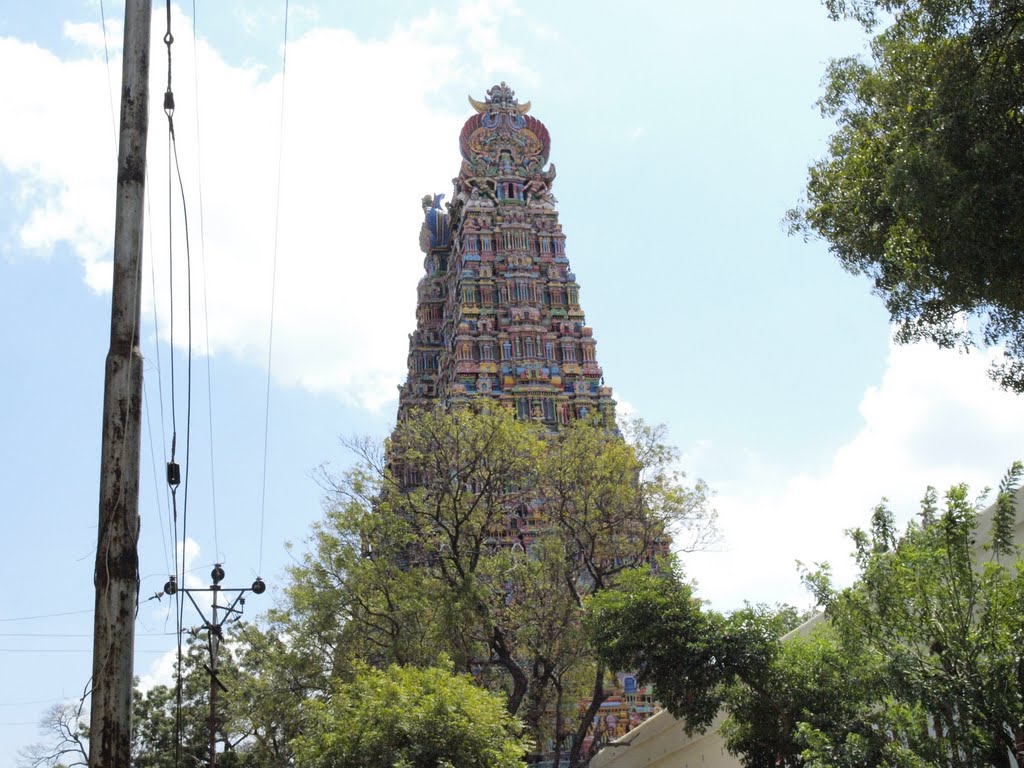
[169, 94]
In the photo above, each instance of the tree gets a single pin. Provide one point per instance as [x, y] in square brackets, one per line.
[654, 624]
[477, 538]
[272, 678]
[66, 737]
[164, 734]
[922, 188]
[410, 718]
[168, 731]
[949, 628]
[934, 636]
[812, 684]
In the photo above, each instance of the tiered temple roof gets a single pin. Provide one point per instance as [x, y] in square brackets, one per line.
[498, 312]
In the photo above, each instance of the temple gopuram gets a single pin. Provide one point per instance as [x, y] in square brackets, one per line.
[498, 316]
[498, 308]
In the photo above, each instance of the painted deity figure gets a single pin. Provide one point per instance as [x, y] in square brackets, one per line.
[482, 188]
[536, 188]
[505, 162]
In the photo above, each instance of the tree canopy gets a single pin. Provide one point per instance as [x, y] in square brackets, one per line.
[478, 538]
[654, 624]
[405, 717]
[922, 188]
[919, 663]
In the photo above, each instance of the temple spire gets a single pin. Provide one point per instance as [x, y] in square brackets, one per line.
[498, 310]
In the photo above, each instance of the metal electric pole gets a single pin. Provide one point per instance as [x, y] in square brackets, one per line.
[117, 559]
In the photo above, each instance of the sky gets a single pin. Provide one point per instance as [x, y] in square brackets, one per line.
[681, 132]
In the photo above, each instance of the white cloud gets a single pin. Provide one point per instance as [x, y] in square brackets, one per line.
[624, 409]
[188, 553]
[935, 419]
[363, 142]
[91, 35]
[161, 617]
[161, 671]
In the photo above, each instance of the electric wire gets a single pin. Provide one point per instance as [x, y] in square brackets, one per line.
[152, 461]
[188, 398]
[76, 634]
[172, 481]
[179, 562]
[188, 325]
[32, 703]
[206, 308]
[47, 615]
[110, 88]
[273, 286]
[69, 650]
[160, 381]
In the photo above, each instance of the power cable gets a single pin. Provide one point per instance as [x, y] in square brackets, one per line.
[206, 309]
[152, 461]
[47, 615]
[76, 634]
[273, 286]
[32, 703]
[160, 381]
[69, 650]
[110, 88]
[173, 471]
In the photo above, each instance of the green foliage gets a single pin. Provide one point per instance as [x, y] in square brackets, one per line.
[272, 677]
[813, 687]
[408, 571]
[922, 189]
[920, 663]
[164, 736]
[404, 717]
[653, 624]
[941, 630]
[418, 557]
[1004, 519]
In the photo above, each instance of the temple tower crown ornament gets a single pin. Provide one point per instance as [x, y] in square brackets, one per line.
[500, 97]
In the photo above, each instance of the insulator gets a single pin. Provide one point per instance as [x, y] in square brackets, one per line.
[258, 586]
[171, 587]
[173, 474]
[217, 574]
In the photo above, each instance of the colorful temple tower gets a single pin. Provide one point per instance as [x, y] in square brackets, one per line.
[498, 316]
[498, 309]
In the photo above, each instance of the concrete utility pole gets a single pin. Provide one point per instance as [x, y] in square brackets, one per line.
[117, 557]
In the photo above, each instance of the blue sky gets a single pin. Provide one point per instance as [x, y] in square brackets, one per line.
[681, 133]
